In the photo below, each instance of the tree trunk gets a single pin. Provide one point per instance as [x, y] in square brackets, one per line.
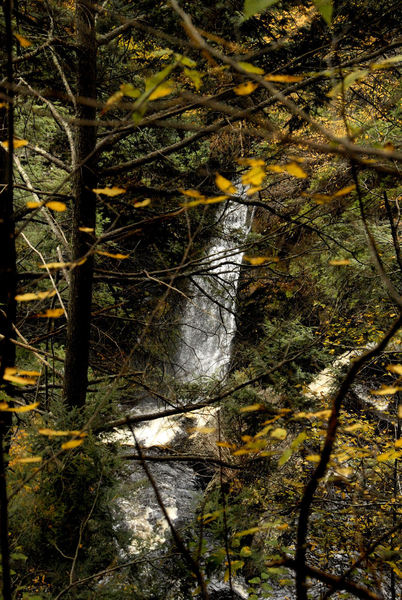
[8, 282]
[84, 212]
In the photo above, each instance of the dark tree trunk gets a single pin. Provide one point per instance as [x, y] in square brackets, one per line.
[84, 215]
[8, 282]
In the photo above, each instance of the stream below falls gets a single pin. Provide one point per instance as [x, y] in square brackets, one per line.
[208, 326]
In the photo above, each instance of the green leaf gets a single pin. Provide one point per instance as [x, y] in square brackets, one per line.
[157, 78]
[129, 90]
[185, 60]
[253, 7]
[349, 80]
[266, 587]
[18, 556]
[251, 68]
[325, 8]
[195, 76]
[285, 457]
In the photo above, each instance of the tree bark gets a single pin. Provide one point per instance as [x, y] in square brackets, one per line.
[84, 211]
[8, 282]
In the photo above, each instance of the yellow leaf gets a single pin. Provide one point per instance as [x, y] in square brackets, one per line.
[129, 90]
[259, 260]
[192, 193]
[117, 256]
[283, 526]
[16, 143]
[32, 204]
[283, 78]
[396, 569]
[52, 313]
[313, 458]
[292, 168]
[59, 432]
[195, 76]
[389, 455]
[245, 88]
[71, 444]
[251, 68]
[11, 374]
[56, 265]
[11, 370]
[215, 199]
[319, 198]
[346, 190]
[247, 532]
[114, 99]
[398, 443]
[19, 380]
[53, 432]
[252, 408]
[387, 62]
[193, 203]
[354, 427]
[245, 551]
[253, 190]
[48, 294]
[344, 471]
[225, 445]
[143, 203]
[164, 89]
[23, 41]
[20, 409]
[26, 408]
[339, 262]
[254, 176]
[20, 143]
[26, 297]
[30, 373]
[209, 517]
[225, 185]
[86, 229]
[400, 412]
[386, 390]
[110, 191]
[349, 80]
[279, 433]
[204, 430]
[28, 459]
[56, 206]
[243, 451]
[251, 162]
[395, 369]
[322, 414]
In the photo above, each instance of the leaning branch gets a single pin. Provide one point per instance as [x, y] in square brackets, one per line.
[319, 472]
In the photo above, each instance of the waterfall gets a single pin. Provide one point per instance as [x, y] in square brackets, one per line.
[208, 325]
[207, 331]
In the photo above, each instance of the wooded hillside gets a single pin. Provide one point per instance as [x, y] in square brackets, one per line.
[200, 290]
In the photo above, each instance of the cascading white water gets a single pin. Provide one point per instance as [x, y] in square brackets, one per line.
[208, 328]
[209, 322]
